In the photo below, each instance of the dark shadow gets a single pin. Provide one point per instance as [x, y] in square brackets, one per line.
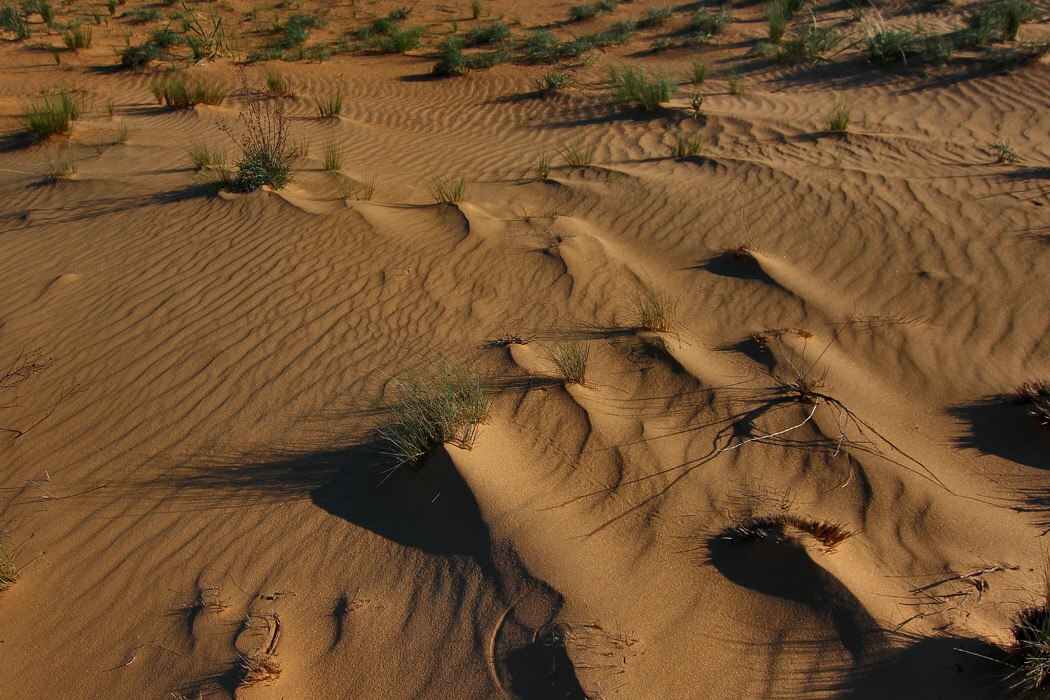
[543, 670]
[104, 206]
[946, 667]
[780, 566]
[16, 141]
[736, 266]
[1000, 426]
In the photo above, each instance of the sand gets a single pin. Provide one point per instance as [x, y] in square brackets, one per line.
[202, 482]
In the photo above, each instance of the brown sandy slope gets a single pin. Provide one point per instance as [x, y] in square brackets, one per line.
[214, 475]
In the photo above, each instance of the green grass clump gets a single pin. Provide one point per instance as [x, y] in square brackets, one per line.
[686, 144]
[494, 33]
[570, 361]
[203, 155]
[13, 19]
[697, 71]
[633, 88]
[278, 83]
[54, 116]
[78, 37]
[447, 191]
[174, 91]
[297, 30]
[475, 9]
[8, 570]
[839, 119]
[578, 155]
[999, 20]
[886, 45]
[140, 55]
[653, 311]
[707, 23]
[543, 167]
[443, 405]
[331, 105]
[141, 15]
[452, 61]
[809, 43]
[331, 155]
[778, 16]
[579, 13]
[545, 47]
[400, 40]
[655, 17]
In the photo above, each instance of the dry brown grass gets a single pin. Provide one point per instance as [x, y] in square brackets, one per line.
[1037, 395]
[257, 669]
[829, 534]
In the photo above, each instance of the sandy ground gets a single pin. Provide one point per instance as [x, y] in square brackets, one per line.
[212, 486]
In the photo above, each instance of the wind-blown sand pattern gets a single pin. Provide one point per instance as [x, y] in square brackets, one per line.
[192, 487]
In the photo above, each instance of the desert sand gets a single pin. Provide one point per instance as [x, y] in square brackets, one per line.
[191, 474]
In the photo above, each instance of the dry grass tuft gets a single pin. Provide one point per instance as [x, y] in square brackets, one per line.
[828, 533]
[653, 311]
[257, 669]
[570, 361]
[1037, 395]
[8, 570]
[1031, 651]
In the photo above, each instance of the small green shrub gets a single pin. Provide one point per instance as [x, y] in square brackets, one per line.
[1003, 152]
[141, 55]
[297, 30]
[451, 61]
[443, 405]
[579, 13]
[54, 116]
[447, 191]
[633, 88]
[570, 361]
[400, 40]
[889, 45]
[494, 33]
[14, 20]
[265, 159]
[554, 81]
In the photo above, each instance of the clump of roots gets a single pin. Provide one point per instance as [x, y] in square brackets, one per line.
[778, 527]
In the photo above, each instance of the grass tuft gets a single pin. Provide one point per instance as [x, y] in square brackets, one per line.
[78, 37]
[1031, 651]
[570, 361]
[828, 533]
[1003, 152]
[687, 144]
[447, 191]
[633, 88]
[653, 311]
[1036, 394]
[203, 155]
[331, 155]
[578, 155]
[278, 83]
[55, 116]
[839, 119]
[8, 570]
[331, 105]
[543, 167]
[174, 91]
[443, 405]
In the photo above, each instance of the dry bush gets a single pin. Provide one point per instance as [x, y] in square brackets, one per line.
[257, 669]
[1037, 395]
